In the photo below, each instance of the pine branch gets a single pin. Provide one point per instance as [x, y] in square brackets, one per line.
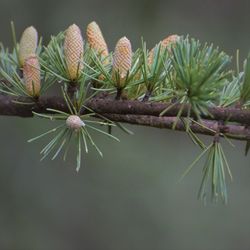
[154, 109]
[192, 77]
[135, 112]
[232, 131]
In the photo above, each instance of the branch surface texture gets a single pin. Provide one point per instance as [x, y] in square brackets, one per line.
[232, 122]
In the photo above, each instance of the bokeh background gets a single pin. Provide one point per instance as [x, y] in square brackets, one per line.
[131, 198]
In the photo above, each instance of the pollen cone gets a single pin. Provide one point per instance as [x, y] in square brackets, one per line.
[31, 75]
[28, 44]
[96, 39]
[165, 43]
[73, 51]
[122, 60]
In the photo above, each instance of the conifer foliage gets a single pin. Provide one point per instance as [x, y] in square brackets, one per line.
[179, 84]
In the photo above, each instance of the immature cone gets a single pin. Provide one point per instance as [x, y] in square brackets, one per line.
[31, 75]
[73, 51]
[28, 44]
[74, 122]
[168, 41]
[165, 43]
[96, 39]
[151, 57]
[122, 60]
[97, 42]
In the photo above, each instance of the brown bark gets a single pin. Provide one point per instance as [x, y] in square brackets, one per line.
[234, 121]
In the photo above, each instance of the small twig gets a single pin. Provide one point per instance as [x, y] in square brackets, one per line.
[147, 96]
[72, 87]
[118, 94]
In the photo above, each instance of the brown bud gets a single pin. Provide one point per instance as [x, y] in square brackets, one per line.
[28, 44]
[73, 51]
[74, 122]
[122, 60]
[31, 75]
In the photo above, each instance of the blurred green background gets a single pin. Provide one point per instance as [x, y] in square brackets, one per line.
[130, 199]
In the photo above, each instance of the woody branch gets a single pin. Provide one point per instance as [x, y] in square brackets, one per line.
[234, 121]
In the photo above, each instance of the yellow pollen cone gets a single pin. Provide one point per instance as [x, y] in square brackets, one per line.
[165, 43]
[73, 51]
[28, 44]
[31, 75]
[122, 60]
[96, 40]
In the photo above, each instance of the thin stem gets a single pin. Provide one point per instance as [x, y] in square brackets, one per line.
[118, 94]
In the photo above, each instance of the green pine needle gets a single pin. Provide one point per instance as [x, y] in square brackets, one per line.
[199, 71]
[214, 172]
[245, 89]
[62, 139]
